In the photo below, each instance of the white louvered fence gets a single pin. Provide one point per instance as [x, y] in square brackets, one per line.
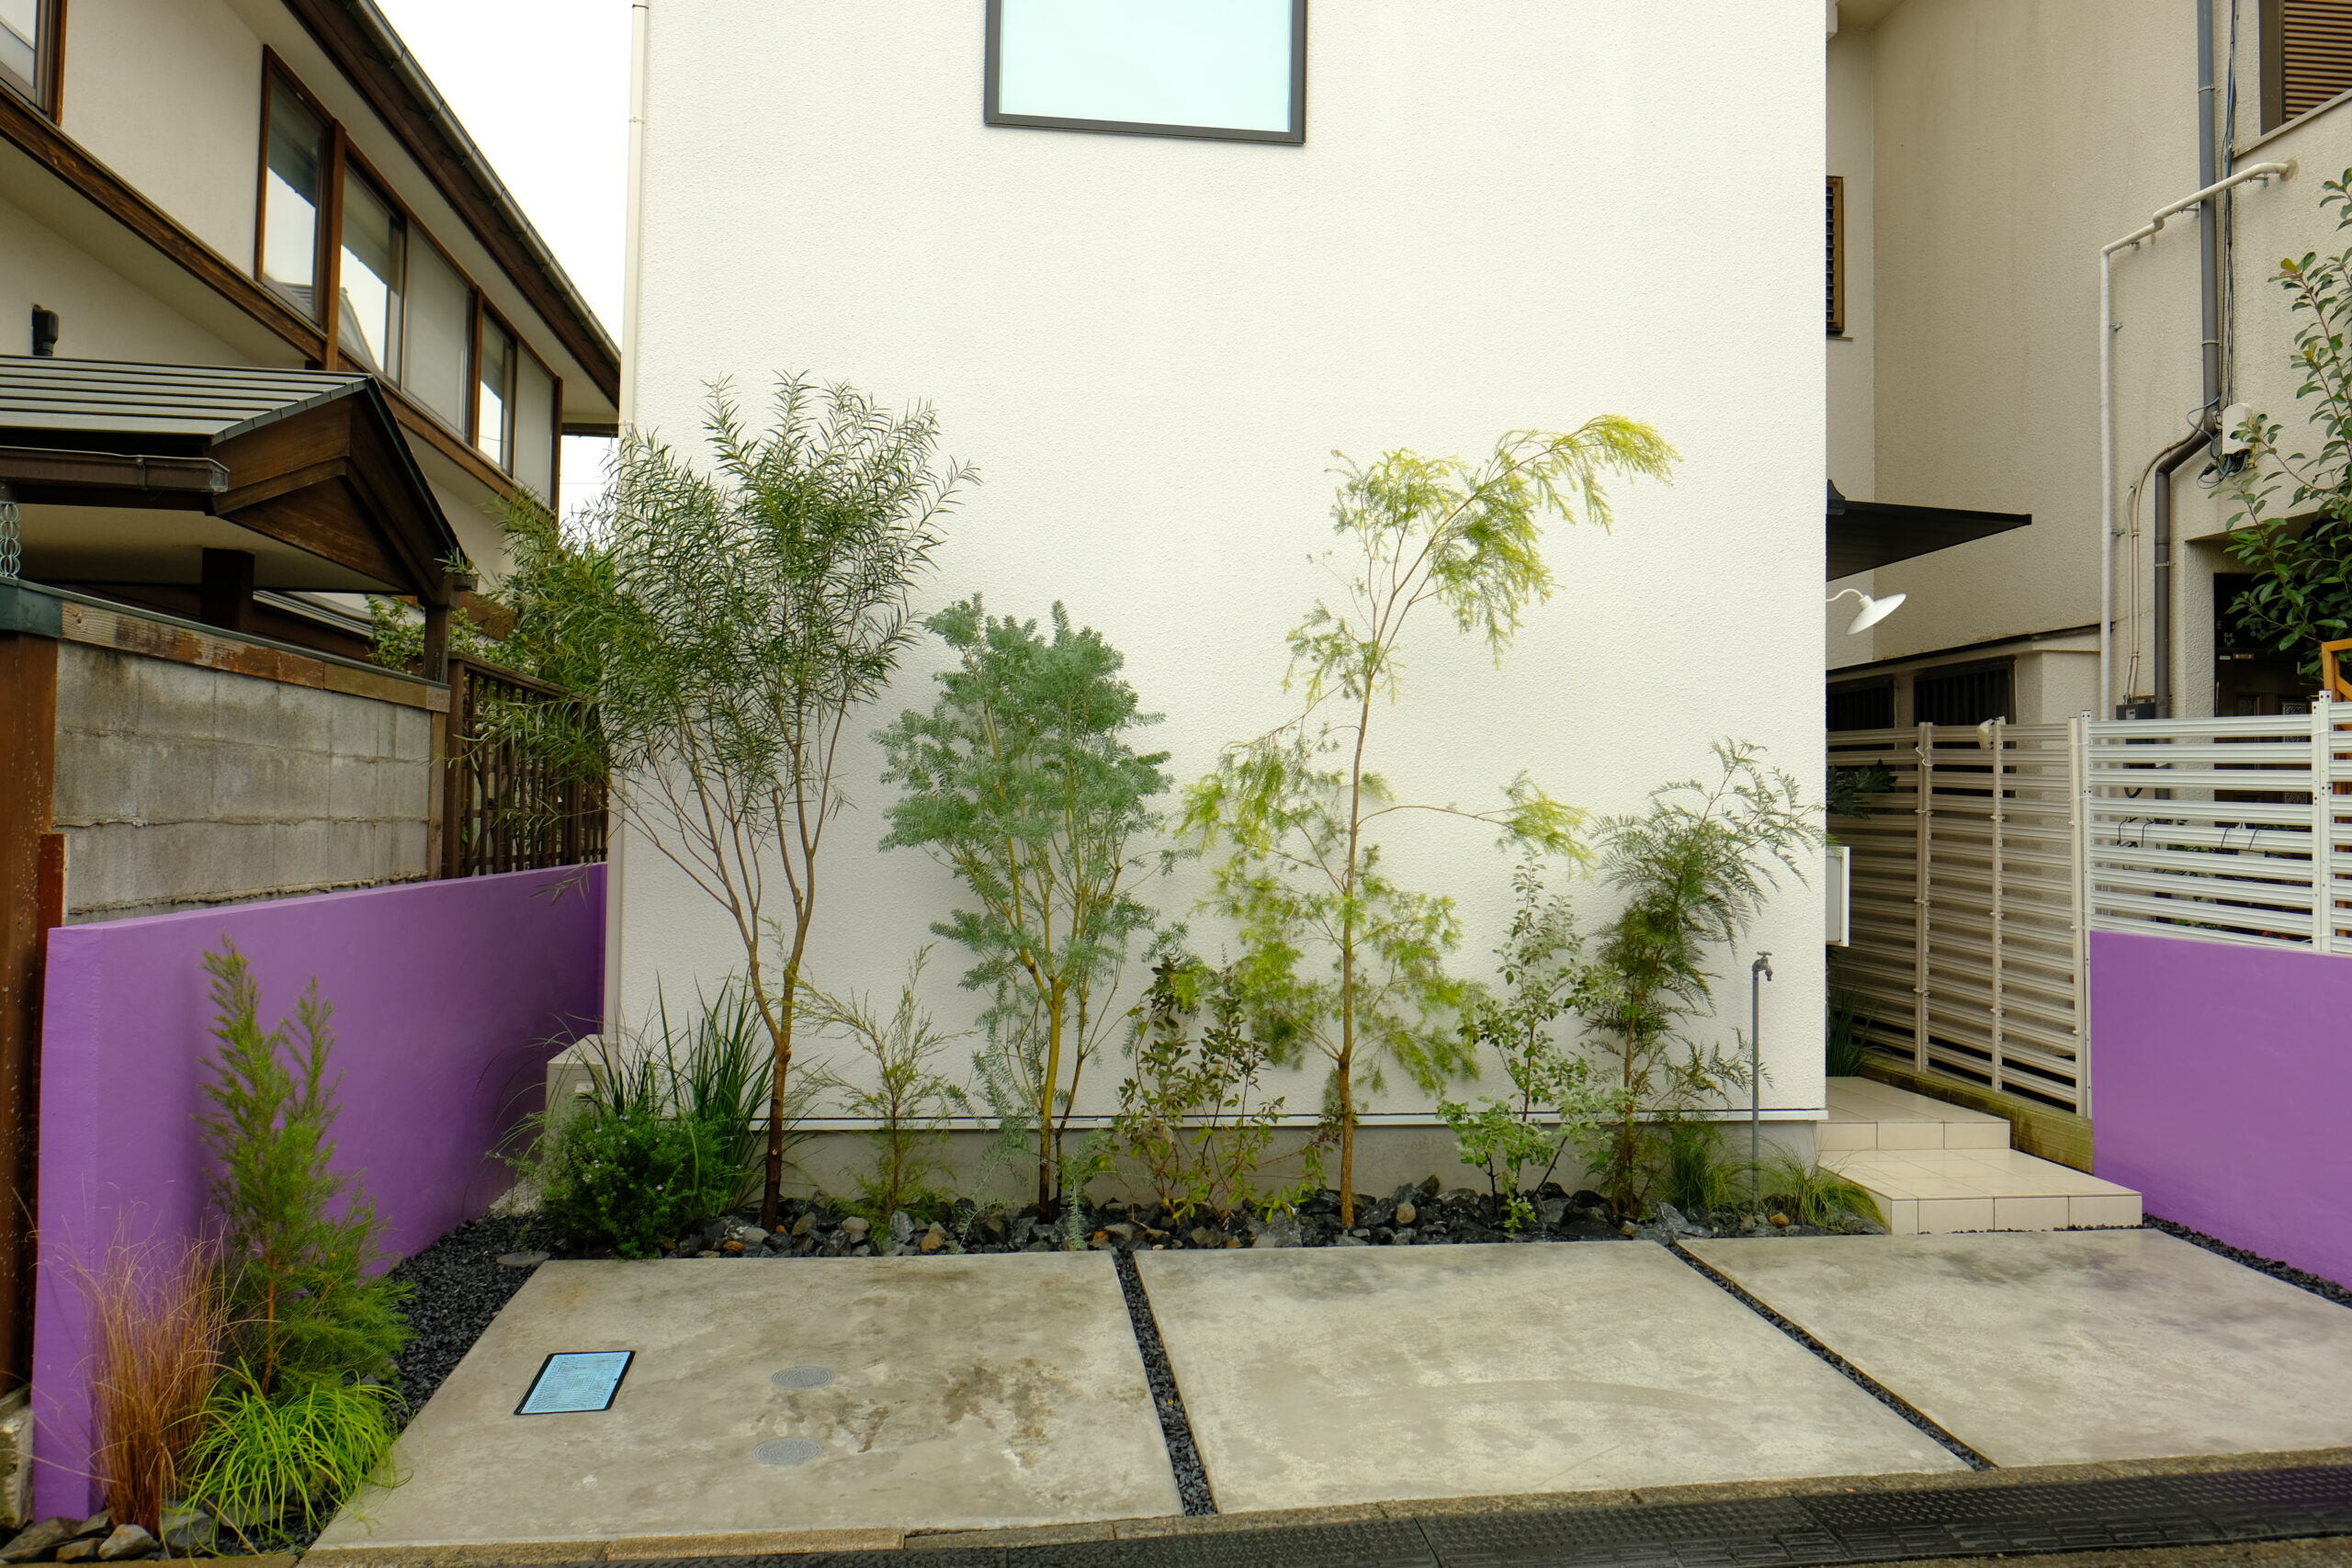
[1978, 875]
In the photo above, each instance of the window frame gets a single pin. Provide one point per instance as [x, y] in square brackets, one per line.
[48, 95]
[326, 245]
[1294, 135]
[2272, 25]
[350, 164]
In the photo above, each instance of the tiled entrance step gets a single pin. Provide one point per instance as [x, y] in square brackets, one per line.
[1934, 1167]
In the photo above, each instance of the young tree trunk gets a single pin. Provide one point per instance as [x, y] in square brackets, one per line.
[1048, 1141]
[779, 1015]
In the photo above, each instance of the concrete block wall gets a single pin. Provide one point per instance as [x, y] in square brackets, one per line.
[180, 785]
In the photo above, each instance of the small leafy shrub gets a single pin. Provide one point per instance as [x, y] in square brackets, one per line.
[261, 1460]
[1844, 1044]
[159, 1319]
[1853, 788]
[1519, 1140]
[1190, 1116]
[1812, 1194]
[907, 1103]
[634, 1180]
[1696, 1175]
[299, 1239]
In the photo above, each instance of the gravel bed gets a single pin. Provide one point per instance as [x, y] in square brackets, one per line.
[1853, 1374]
[2302, 1281]
[460, 1286]
[1175, 1427]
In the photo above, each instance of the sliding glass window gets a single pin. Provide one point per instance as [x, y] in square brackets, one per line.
[1227, 70]
[293, 184]
[29, 37]
[374, 256]
[495, 415]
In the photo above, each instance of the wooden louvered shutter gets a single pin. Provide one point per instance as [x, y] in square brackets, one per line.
[2314, 54]
[1835, 259]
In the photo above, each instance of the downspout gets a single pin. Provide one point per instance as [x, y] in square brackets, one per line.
[2187, 447]
[2108, 326]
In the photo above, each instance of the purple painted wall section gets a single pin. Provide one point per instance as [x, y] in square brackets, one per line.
[449, 999]
[2221, 1088]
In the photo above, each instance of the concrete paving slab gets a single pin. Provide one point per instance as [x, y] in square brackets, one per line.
[2068, 1347]
[963, 1392]
[1362, 1375]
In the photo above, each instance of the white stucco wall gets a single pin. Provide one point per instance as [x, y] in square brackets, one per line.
[1852, 435]
[1151, 346]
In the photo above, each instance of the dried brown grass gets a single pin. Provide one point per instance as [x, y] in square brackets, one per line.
[158, 1320]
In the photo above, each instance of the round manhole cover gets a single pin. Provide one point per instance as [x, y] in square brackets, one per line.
[803, 1377]
[787, 1451]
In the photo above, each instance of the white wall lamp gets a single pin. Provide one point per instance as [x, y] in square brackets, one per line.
[1872, 612]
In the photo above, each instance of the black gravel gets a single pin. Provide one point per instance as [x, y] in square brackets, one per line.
[2302, 1281]
[1175, 1427]
[460, 1286]
[1854, 1374]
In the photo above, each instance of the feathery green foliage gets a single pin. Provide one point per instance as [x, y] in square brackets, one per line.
[1020, 781]
[1519, 1140]
[1695, 1175]
[261, 1461]
[299, 1238]
[722, 625]
[1190, 1116]
[1693, 868]
[2302, 591]
[907, 1103]
[1352, 961]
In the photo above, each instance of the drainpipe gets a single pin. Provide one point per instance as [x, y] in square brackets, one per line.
[2108, 327]
[2187, 447]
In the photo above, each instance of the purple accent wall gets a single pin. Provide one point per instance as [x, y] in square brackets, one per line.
[449, 999]
[2221, 1085]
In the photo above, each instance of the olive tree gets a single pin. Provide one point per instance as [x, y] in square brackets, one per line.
[742, 609]
[1337, 955]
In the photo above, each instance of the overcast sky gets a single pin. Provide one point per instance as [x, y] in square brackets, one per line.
[542, 85]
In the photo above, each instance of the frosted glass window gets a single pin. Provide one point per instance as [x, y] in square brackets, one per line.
[495, 436]
[21, 45]
[534, 462]
[1228, 69]
[375, 242]
[439, 360]
[290, 226]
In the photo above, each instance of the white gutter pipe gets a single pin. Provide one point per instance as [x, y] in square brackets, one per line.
[2108, 327]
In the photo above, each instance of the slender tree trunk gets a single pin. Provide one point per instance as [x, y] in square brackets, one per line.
[1048, 1142]
[1347, 1061]
[780, 1032]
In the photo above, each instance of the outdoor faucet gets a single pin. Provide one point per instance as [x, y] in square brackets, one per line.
[1758, 972]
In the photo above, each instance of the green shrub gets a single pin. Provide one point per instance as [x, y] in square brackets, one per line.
[262, 1461]
[908, 1103]
[635, 1180]
[303, 1304]
[1843, 1044]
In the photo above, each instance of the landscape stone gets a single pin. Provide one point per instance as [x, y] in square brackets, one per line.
[77, 1550]
[749, 1236]
[902, 1225]
[187, 1530]
[1406, 1213]
[39, 1539]
[1350, 1240]
[521, 1259]
[804, 1224]
[1404, 1237]
[1428, 1187]
[126, 1543]
[935, 1239]
[1282, 1230]
[855, 1227]
[1551, 1210]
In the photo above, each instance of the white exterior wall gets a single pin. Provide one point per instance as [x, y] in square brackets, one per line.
[1150, 348]
[1853, 357]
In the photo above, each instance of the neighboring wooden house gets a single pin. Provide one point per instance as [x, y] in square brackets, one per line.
[273, 337]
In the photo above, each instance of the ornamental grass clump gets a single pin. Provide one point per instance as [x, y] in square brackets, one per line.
[310, 1325]
[1348, 961]
[158, 1321]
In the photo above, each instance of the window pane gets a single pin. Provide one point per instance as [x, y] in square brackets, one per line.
[19, 44]
[1213, 63]
[437, 362]
[290, 234]
[495, 434]
[374, 239]
[535, 427]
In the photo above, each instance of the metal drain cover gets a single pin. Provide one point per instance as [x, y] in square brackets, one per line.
[787, 1451]
[576, 1382]
[803, 1377]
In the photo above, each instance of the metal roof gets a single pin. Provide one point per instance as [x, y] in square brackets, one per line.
[1865, 535]
[210, 402]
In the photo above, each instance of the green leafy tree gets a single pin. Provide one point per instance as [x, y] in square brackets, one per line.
[1020, 781]
[1351, 960]
[299, 1238]
[1519, 1139]
[724, 623]
[2296, 508]
[1694, 868]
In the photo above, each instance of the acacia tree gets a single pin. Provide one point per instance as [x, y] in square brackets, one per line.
[2302, 591]
[1022, 782]
[740, 613]
[1297, 808]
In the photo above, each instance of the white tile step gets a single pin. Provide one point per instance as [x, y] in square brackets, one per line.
[1866, 1115]
[1923, 1191]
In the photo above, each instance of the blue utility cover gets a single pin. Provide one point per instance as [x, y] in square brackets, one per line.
[572, 1382]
